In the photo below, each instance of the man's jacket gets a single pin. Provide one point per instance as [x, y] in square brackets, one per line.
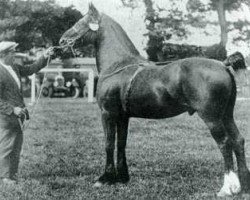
[10, 94]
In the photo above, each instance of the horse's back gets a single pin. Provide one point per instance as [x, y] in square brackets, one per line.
[207, 86]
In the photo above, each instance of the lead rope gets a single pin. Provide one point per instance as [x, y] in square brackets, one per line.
[24, 125]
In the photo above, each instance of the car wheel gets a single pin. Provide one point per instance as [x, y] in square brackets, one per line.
[47, 92]
[75, 92]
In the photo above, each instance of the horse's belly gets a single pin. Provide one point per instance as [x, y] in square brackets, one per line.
[159, 113]
[149, 107]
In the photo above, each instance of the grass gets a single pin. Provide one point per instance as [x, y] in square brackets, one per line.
[63, 155]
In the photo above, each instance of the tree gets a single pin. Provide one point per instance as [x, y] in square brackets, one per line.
[221, 7]
[10, 18]
[160, 28]
[177, 22]
[34, 23]
[45, 24]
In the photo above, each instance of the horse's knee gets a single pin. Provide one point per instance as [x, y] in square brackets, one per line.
[110, 147]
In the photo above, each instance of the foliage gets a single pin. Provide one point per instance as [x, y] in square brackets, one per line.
[35, 23]
[203, 10]
[173, 23]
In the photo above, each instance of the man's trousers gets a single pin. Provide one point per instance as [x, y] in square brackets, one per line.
[11, 140]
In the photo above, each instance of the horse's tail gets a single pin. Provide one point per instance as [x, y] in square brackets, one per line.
[232, 99]
[236, 61]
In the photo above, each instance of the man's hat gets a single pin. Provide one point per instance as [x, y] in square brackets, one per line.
[6, 46]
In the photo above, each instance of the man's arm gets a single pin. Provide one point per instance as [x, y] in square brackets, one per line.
[28, 70]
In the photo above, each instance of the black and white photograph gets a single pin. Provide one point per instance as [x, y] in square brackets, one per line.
[124, 99]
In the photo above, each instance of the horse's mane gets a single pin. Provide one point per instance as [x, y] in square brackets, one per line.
[120, 34]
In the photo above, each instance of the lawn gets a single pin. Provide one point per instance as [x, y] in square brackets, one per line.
[63, 155]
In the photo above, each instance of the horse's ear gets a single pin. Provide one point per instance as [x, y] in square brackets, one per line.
[93, 11]
[95, 16]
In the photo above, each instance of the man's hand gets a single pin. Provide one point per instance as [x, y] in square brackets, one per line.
[49, 52]
[19, 112]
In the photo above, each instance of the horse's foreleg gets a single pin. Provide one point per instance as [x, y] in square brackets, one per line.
[231, 182]
[122, 168]
[238, 148]
[109, 126]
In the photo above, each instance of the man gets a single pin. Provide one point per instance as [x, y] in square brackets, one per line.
[12, 108]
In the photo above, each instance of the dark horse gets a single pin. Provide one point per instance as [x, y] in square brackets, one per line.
[131, 86]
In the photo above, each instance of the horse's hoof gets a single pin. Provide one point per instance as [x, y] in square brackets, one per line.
[231, 185]
[106, 179]
[98, 184]
[223, 193]
[123, 179]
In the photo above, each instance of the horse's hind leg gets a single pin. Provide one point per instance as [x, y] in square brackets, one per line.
[219, 133]
[109, 126]
[238, 148]
[122, 131]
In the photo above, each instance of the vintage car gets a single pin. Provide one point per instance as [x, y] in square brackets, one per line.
[57, 86]
[67, 84]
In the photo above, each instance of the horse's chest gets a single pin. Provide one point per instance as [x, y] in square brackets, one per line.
[108, 95]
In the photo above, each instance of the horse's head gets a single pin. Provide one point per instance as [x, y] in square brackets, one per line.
[86, 28]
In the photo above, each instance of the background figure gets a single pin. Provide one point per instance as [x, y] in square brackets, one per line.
[12, 108]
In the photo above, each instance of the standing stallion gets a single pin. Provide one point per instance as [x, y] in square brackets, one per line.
[131, 86]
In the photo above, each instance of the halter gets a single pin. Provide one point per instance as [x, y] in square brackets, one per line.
[22, 124]
[71, 42]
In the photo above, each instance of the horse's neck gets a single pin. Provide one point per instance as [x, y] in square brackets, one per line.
[114, 47]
